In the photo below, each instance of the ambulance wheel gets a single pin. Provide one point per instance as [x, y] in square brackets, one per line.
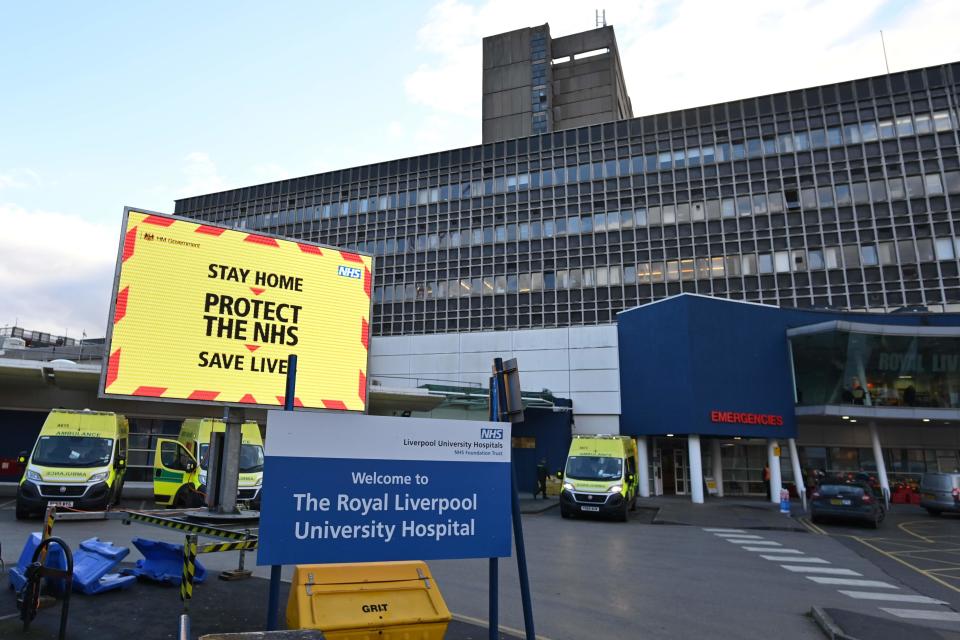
[118, 493]
[633, 503]
[564, 512]
[21, 513]
[622, 514]
[182, 499]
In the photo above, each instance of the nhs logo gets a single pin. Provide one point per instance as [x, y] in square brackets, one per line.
[349, 272]
[491, 434]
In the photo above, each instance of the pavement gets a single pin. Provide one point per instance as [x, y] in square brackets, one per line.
[720, 512]
[617, 581]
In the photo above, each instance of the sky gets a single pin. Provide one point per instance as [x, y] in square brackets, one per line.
[109, 104]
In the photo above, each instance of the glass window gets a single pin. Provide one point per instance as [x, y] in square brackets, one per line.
[586, 224]
[739, 152]
[732, 265]
[511, 284]
[573, 224]
[616, 275]
[878, 190]
[641, 216]
[548, 228]
[599, 222]
[801, 141]
[944, 248]
[915, 187]
[653, 215]
[728, 208]
[905, 126]
[673, 270]
[907, 251]
[886, 130]
[743, 205]
[941, 121]
[687, 269]
[524, 231]
[713, 206]
[629, 274]
[669, 214]
[925, 250]
[860, 193]
[868, 255]
[601, 275]
[799, 260]
[844, 197]
[815, 258]
[501, 233]
[851, 133]
[833, 137]
[716, 267]
[826, 196]
[851, 256]
[785, 143]
[952, 179]
[575, 279]
[923, 124]
[765, 263]
[536, 281]
[613, 221]
[749, 264]
[666, 159]
[869, 131]
[887, 254]
[818, 139]
[831, 257]
[488, 235]
[895, 187]
[703, 268]
[760, 203]
[524, 282]
[626, 219]
[781, 261]
[697, 211]
[534, 230]
[683, 212]
[563, 279]
[511, 232]
[933, 185]
[808, 198]
[657, 271]
[775, 202]
[500, 284]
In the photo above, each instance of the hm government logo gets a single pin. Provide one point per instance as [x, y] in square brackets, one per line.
[349, 272]
[491, 434]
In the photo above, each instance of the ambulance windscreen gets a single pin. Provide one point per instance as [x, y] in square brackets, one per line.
[594, 468]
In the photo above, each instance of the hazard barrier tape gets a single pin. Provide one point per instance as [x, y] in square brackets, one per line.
[187, 527]
[247, 545]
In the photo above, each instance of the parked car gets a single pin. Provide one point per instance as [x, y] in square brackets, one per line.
[940, 492]
[847, 499]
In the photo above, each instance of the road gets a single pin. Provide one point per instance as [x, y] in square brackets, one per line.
[593, 579]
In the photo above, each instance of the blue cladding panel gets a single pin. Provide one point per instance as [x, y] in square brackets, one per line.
[684, 357]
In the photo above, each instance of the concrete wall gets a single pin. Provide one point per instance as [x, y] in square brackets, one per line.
[507, 86]
[580, 363]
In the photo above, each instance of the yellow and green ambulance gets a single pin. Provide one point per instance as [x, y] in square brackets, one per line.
[180, 466]
[79, 461]
[600, 477]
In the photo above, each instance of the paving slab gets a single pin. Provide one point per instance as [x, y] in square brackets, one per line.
[149, 611]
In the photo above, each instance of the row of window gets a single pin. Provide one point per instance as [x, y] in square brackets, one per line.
[829, 196]
[693, 156]
[847, 256]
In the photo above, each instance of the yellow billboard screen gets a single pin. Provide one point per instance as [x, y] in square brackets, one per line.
[203, 313]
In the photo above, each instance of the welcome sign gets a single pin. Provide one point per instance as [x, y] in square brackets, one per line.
[358, 488]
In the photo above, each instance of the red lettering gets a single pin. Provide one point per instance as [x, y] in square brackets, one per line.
[715, 416]
[735, 417]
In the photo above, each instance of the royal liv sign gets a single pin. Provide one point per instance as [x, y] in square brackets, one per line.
[359, 488]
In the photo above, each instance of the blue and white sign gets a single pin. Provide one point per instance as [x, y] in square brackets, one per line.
[340, 487]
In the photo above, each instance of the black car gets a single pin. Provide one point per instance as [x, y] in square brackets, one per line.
[844, 499]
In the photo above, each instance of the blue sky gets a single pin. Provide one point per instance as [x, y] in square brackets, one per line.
[112, 104]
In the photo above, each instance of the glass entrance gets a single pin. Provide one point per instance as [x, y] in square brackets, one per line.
[681, 472]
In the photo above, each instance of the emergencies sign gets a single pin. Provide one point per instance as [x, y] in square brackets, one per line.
[359, 488]
[209, 314]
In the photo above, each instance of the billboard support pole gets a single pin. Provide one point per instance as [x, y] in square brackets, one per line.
[273, 600]
[493, 588]
[230, 471]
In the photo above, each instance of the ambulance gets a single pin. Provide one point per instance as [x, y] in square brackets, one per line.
[79, 461]
[600, 477]
[180, 466]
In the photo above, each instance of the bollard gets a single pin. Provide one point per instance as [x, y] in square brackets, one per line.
[189, 569]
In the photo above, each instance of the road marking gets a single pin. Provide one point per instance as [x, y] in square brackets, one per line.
[796, 559]
[772, 550]
[903, 527]
[741, 536]
[893, 597]
[764, 542]
[923, 614]
[825, 570]
[812, 527]
[505, 630]
[7, 504]
[907, 564]
[715, 530]
[851, 582]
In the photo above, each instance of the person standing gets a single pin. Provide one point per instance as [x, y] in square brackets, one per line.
[766, 479]
[541, 479]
